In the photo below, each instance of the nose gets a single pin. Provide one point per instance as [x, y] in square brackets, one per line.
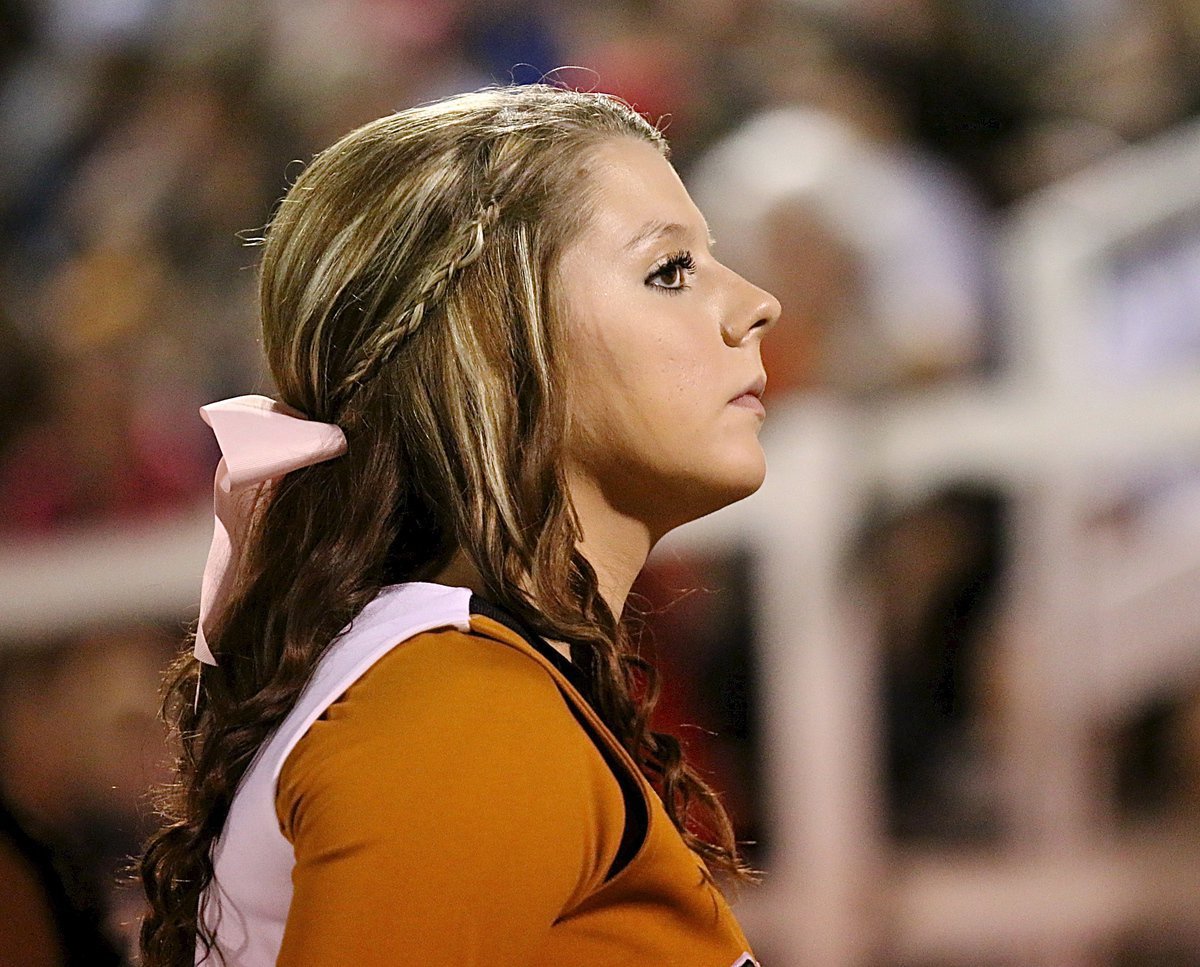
[757, 313]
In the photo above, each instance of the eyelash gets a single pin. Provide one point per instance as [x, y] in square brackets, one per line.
[680, 260]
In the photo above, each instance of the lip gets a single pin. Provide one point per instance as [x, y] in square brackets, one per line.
[750, 396]
[750, 402]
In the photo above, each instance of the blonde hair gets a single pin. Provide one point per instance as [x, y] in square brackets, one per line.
[407, 294]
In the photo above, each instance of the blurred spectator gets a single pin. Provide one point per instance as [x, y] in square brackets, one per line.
[936, 568]
[671, 59]
[332, 67]
[877, 252]
[41, 925]
[1014, 95]
[79, 748]
[1127, 72]
[115, 437]
[898, 72]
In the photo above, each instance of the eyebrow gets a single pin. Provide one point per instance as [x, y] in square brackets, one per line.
[653, 230]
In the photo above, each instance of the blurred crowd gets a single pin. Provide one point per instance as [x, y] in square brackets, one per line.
[853, 156]
[143, 143]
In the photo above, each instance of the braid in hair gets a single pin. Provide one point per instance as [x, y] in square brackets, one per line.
[380, 349]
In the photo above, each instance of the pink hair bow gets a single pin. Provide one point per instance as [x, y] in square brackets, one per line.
[260, 439]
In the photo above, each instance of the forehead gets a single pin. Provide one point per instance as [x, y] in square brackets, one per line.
[635, 191]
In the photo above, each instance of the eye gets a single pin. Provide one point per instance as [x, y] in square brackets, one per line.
[673, 270]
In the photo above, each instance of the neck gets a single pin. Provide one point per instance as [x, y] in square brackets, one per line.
[616, 544]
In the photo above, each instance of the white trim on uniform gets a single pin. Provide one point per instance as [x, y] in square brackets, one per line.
[247, 904]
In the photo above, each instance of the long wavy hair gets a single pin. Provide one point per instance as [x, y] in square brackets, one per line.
[407, 294]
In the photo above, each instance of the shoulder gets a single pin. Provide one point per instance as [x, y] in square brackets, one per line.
[466, 687]
[446, 709]
[459, 663]
[463, 741]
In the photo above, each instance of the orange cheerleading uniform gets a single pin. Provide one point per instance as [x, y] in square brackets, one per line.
[461, 803]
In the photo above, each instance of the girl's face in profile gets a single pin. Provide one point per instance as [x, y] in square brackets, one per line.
[663, 343]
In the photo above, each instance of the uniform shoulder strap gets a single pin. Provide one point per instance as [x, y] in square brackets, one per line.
[637, 815]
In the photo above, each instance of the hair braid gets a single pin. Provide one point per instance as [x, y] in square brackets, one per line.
[380, 349]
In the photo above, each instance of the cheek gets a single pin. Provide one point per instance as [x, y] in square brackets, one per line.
[641, 384]
[684, 373]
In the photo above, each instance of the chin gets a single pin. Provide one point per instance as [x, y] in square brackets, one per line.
[736, 481]
[745, 470]
[748, 481]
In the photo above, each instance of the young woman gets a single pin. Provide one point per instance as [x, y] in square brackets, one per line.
[507, 363]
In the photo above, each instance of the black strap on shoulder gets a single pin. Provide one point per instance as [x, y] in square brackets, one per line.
[576, 674]
[637, 821]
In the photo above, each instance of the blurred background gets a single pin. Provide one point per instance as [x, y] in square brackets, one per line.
[945, 665]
